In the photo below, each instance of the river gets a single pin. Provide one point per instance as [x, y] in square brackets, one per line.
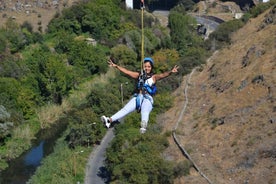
[22, 168]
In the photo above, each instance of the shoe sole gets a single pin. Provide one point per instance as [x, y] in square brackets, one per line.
[103, 120]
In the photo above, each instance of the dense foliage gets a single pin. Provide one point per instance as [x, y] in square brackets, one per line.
[41, 69]
[137, 159]
[223, 33]
[190, 46]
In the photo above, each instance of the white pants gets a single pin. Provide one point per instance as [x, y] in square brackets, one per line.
[146, 108]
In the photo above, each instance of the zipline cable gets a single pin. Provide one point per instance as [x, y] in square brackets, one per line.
[142, 36]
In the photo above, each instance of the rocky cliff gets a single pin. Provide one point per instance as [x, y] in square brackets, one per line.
[229, 125]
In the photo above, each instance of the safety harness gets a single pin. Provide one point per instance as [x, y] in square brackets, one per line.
[144, 90]
[143, 86]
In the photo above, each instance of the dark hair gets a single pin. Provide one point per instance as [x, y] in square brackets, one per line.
[150, 60]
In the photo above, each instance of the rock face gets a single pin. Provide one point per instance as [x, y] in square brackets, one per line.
[229, 123]
[270, 18]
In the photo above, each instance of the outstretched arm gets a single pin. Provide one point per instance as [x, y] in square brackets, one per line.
[132, 74]
[166, 74]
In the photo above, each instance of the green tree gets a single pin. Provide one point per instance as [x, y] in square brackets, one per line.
[15, 36]
[5, 124]
[182, 169]
[69, 20]
[104, 103]
[9, 93]
[85, 129]
[36, 60]
[51, 77]
[165, 59]
[101, 20]
[123, 55]
[63, 42]
[12, 67]
[28, 101]
[59, 80]
[223, 33]
[135, 159]
[91, 59]
[181, 30]
[133, 40]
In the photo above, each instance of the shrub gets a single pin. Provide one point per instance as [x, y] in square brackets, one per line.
[133, 158]
[224, 31]
[182, 168]
[5, 124]
[260, 8]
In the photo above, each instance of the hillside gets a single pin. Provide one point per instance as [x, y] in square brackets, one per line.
[40, 13]
[37, 13]
[229, 125]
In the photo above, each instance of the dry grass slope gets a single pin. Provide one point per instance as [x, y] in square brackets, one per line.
[230, 123]
[37, 13]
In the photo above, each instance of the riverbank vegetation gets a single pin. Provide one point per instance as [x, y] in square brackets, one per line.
[62, 75]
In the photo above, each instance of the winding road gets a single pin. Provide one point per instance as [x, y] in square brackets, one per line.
[96, 172]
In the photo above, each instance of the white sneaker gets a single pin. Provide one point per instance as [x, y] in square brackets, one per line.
[106, 121]
[143, 128]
